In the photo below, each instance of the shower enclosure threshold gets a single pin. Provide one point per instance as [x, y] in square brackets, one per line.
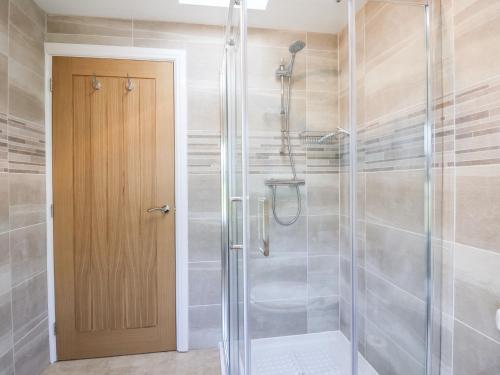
[326, 353]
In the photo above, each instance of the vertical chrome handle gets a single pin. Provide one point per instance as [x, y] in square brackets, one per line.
[264, 226]
[234, 243]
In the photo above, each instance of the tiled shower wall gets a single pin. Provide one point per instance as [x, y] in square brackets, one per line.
[472, 113]
[391, 93]
[295, 289]
[23, 288]
[390, 195]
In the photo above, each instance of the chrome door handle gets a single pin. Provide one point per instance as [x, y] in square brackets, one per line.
[165, 209]
[263, 225]
[234, 243]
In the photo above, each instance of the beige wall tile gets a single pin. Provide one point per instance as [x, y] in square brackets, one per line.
[5, 322]
[159, 43]
[5, 264]
[321, 41]
[396, 198]
[278, 318]
[477, 289]
[89, 39]
[4, 26]
[322, 71]
[7, 362]
[474, 353]
[32, 10]
[278, 278]
[203, 64]
[28, 252]
[399, 315]
[478, 207]
[27, 52]
[274, 38]
[396, 80]
[4, 202]
[203, 108]
[4, 83]
[397, 256]
[29, 305]
[32, 351]
[386, 356]
[177, 31]
[26, 93]
[264, 110]
[477, 52]
[323, 314]
[322, 111]
[389, 25]
[23, 22]
[323, 194]
[323, 235]
[89, 26]
[27, 199]
[207, 276]
[204, 329]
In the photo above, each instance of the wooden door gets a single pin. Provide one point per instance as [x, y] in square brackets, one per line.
[113, 159]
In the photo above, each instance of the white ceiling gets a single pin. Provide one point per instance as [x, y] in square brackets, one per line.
[306, 15]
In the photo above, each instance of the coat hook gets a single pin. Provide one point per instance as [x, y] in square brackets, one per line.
[96, 84]
[130, 85]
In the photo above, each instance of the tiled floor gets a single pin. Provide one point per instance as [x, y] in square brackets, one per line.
[196, 362]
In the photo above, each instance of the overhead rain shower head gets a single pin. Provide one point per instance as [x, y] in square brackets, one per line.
[296, 46]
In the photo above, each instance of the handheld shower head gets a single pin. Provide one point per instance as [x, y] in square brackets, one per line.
[296, 46]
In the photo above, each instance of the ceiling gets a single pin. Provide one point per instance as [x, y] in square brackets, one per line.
[306, 15]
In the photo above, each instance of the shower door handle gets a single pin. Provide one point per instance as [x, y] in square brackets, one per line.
[234, 243]
[263, 226]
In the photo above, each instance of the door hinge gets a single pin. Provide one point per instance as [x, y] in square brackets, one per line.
[51, 85]
[52, 210]
[54, 328]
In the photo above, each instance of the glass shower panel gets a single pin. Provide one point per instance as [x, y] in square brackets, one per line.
[294, 132]
[392, 226]
[232, 189]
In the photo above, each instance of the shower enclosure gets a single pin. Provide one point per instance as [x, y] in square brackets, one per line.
[331, 163]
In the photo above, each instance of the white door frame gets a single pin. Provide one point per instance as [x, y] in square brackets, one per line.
[178, 57]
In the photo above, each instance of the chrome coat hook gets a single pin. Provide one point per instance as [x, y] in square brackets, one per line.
[96, 84]
[130, 85]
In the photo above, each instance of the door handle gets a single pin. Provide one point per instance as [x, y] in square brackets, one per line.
[263, 225]
[234, 224]
[165, 209]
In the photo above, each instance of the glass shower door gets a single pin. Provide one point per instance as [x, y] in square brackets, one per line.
[233, 275]
[326, 184]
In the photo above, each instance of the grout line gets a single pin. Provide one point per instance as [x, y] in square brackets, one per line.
[295, 299]
[35, 275]
[485, 251]
[34, 328]
[476, 331]
[210, 305]
[29, 16]
[26, 227]
[389, 338]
